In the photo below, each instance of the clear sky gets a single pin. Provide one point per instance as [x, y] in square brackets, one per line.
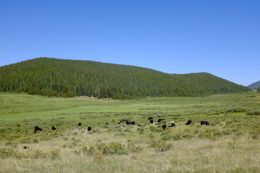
[221, 37]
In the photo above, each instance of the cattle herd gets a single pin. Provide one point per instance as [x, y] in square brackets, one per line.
[160, 122]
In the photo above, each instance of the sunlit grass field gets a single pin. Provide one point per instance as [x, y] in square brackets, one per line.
[231, 143]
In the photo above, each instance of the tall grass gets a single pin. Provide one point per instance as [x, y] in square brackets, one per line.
[231, 143]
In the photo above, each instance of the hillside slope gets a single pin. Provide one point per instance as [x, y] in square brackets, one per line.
[254, 85]
[56, 77]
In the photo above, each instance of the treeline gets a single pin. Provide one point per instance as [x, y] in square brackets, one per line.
[55, 77]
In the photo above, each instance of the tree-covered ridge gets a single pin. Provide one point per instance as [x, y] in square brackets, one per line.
[56, 77]
[255, 85]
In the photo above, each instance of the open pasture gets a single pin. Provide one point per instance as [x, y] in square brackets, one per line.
[231, 142]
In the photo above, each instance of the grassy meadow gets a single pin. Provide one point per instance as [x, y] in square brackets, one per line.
[230, 144]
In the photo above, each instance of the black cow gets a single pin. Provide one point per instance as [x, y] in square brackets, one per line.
[37, 128]
[150, 118]
[79, 124]
[151, 121]
[130, 122]
[160, 120]
[53, 128]
[127, 121]
[164, 126]
[172, 124]
[89, 128]
[188, 122]
[204, 123]
[123, 120]
[25, 147]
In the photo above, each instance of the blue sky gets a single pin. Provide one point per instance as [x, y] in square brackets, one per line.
[221, 37]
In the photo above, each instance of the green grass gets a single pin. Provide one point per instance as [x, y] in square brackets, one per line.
[230, 144]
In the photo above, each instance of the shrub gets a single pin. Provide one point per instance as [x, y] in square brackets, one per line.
[98, 156]
[9, 152]
[255, 136]
[213, 133]
[111, 148]
[235, 110]
[37, 154]
[160, 145]
[26, 140]
[178, 134]
[6, 153]
[140, 130]
[116, 148]
[132, 147]
[55, 154]
[256, 112]
[155, 129]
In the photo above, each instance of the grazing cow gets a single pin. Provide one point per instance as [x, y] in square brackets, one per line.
[53, 128]
[188, 122]
[204, 123]
[89, 128]
[160, 120]
[127, 121]
[164, 126]
[79, 124]
[25, 147]
[172, 124]
[37, 128]
[130, 122]
[123, 120]
[151, 121]
[150, 118]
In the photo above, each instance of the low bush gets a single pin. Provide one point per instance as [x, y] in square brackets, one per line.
[255, 112]
[160, 145]
[133, 148]
[106, 149]
[7, 152]
[178, 134]
[235, 110]
[210, 133]
[155, 129]
[33, 154]
[140, 130]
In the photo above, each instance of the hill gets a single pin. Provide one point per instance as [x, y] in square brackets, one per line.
[56, 77]
[254, 85]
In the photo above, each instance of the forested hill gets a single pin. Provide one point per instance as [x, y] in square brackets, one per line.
[56, 77]
[254, 85]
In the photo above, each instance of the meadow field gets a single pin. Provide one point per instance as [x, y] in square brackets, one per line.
[230, 144]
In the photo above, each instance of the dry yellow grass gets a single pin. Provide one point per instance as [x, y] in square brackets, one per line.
[232, 154]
